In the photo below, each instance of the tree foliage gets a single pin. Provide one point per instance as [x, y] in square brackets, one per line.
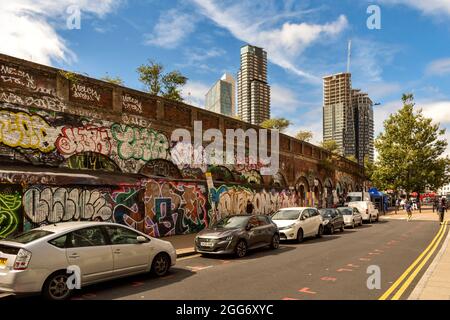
[410, 152]
[330, 145]
[114, 80]
[167, 85]
[276, 123]
[304, 135]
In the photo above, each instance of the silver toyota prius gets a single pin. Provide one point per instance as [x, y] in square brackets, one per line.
[56, 259]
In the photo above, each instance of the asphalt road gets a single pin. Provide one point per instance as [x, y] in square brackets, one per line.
[332, 267]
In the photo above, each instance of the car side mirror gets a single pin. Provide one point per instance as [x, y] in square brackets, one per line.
[141, 239]
[302, 218]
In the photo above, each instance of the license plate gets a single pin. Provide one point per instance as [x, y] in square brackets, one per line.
[206, 244]
[3, 262]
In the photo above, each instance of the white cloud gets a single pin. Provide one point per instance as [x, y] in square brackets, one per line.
[438, 67]
[255, 24]
[433, 7]
[28, 27]
[282, 100]
[194, 93]
[439, 111]
[172, 28]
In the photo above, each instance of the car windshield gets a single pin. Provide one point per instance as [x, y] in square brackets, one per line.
[29, 236]
[346, 211]
[353, 198]
[232, 222]
[326, 212]
[286, 215]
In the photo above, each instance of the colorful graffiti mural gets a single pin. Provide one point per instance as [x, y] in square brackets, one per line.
[26, 131]
[43, 205]
[84, 139]
[10, 204]
[139, 143]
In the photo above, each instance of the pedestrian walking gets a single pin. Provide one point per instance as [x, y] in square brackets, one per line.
[441, 211]
[408, 208]
[250, 207]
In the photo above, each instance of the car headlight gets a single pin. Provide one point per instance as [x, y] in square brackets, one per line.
[326, 221]
[286, 227]
[227, 238]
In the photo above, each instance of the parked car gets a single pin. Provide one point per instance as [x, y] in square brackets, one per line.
[237, 234]
[352, 216]
[38, 260]
[367, 209]
[332, 220]
[298, 223]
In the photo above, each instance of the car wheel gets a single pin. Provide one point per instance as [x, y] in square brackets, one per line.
[275, 244]
[160, 264]
[55, 287]
[299, 235]
[331, 229]
[241, 249]
[320, 231]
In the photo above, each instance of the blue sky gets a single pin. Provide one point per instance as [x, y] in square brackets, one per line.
[305, 40]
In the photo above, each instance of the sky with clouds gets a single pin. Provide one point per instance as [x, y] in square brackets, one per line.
[305, 40]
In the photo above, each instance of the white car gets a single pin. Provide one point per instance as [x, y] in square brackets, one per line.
[352, 216]
[367, 209]
[298, 222]
[38, 260]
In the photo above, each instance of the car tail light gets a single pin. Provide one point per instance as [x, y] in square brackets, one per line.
[22, 259]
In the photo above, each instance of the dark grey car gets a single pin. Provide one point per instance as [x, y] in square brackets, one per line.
[237, 234]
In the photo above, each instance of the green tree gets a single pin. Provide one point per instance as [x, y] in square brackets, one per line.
[304, 135]
[276, 123]
[410, 152]
[114, 80]
[330, 145]
[157, 83]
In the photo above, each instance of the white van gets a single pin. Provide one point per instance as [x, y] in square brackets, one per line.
[368, 211]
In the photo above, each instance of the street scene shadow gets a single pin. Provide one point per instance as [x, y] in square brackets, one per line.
[131, 285]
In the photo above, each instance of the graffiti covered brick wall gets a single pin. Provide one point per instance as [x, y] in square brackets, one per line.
[86, 150]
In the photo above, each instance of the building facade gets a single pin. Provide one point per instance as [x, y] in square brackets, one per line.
[338, 117]
[364, 126]
[253, 90]
[221, 97]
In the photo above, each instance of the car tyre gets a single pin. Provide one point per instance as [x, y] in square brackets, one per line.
[55, 287]
[275, 244]
[241, 249]
[160, 264]
[320, 232]
[299, 236]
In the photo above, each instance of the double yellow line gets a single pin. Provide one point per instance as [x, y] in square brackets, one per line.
[419, 262]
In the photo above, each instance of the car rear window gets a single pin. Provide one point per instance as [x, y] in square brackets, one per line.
[29, 236]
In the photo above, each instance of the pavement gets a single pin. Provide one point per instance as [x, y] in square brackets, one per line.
[332, 267]
[184, 244]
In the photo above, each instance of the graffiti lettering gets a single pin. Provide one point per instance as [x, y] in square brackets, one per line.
[20, 78]
[45, 102]
[9, 213]
[26, 131]
[51, 205]
[139, 143]
[131, 104]
[83, 139]
[84, 92]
